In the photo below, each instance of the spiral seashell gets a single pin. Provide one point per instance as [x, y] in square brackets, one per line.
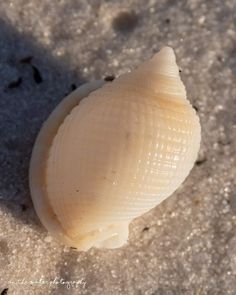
[101, 161]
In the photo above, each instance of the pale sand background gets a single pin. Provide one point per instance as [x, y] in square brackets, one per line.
[188, 244]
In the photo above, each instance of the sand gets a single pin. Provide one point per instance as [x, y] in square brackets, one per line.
[185, 246]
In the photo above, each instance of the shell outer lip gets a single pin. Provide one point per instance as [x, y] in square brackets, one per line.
[37, 179]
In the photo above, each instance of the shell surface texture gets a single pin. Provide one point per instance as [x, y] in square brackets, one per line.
[112, 151]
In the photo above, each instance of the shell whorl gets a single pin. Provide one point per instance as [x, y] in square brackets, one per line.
[120, 152]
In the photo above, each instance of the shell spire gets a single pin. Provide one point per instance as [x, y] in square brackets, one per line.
[165, 62]
[164, 71]
[159, 75]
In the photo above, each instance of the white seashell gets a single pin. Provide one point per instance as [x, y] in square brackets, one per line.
[103, 161]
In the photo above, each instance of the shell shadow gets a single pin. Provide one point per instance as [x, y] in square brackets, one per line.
[32, 82]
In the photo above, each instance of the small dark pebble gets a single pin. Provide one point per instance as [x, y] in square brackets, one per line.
[180, 71]
[14, 84]
[26, 60]
[109, 78]
[219, 58]
[197, 202]
[23, 207]
[73, 87]
[125, 21]
[73, 248]
[167, 20]
[195, 108]
[201, 161]
[37, 76]
[146, 228]
[224, 142]
[4, 291]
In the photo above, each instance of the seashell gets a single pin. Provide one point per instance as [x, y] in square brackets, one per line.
[109, 153]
